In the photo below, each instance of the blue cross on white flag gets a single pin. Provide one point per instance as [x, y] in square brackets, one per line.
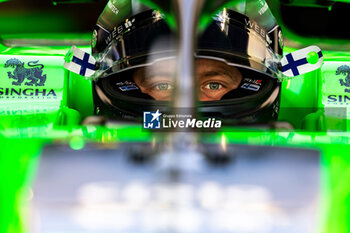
[80, 62]
[296, 63]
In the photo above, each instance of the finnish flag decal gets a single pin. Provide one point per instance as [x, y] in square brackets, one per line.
[80, 62]
[302, 61]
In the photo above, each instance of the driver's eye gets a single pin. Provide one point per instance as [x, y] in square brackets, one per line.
[163, 86]
[213, 86]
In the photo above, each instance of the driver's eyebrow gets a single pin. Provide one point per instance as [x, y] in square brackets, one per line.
[213, 73]
[148, 76]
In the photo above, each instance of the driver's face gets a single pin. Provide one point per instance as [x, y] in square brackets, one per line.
[215, 79]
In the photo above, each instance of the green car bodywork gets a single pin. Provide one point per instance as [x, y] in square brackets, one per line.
[50, 108]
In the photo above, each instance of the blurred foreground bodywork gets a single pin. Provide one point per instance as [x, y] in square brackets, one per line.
[34, 116]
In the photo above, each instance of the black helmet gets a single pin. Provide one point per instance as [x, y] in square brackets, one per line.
[232, 39]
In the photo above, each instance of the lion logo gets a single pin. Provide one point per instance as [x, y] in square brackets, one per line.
[344, 70]
[34, 74]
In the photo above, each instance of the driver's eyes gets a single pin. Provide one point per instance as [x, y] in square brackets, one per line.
[163, 86]
[213, 86]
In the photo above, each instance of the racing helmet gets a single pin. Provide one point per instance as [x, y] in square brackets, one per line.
[232, 38]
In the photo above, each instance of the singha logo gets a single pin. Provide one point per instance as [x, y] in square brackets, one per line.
[33, 74]
[344, 70]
